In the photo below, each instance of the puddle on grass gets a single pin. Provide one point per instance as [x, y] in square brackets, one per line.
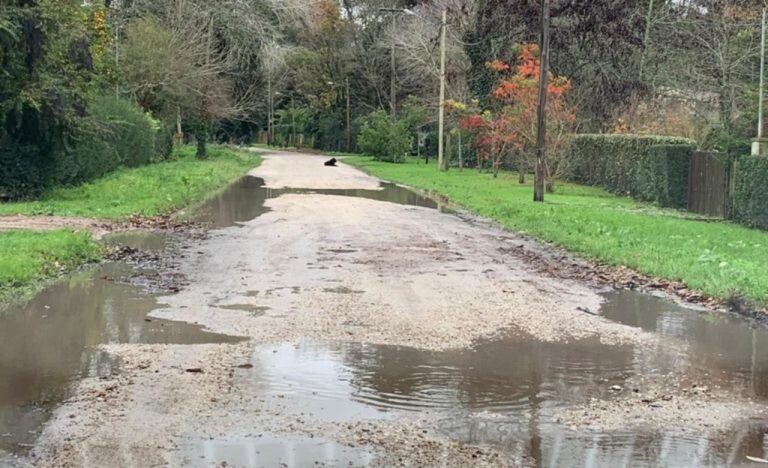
[50, 342]
[506, 392]
[244, 200]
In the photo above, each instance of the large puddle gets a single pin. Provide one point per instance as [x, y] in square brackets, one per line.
[50, 342]
[731, 351]
[245, 199]
[504, 392]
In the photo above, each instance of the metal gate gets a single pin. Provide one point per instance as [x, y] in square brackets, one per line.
[708, 184]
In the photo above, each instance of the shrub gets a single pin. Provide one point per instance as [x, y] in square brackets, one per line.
[164, 141]
[612, 161]
[383, 139]
[90, 157]
[20, 174]
[662, 176]
[750, 205]
[116, 133]
[126, 128]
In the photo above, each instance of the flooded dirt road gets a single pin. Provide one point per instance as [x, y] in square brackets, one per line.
[381, 330]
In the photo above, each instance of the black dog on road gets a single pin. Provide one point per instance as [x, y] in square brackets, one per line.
[331, 162]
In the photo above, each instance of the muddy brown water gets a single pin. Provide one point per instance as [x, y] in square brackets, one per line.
[502, 392]
[505, 392]
[244, 200]
[269, 450]
[51, 341]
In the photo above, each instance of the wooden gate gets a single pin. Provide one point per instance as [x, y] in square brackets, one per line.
[708, 184]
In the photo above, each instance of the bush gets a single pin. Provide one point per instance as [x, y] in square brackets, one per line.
[662, 177]
[750, 205]
[91, 157]
[383, 139]
[20, 174]
[116, 133]
[126, 128]
[164, 141]
[612, 161]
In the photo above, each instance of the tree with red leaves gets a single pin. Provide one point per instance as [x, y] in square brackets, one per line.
[510, 130]
[518, 96]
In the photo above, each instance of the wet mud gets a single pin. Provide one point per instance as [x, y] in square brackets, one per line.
[51, 342]
[390, 334]
[245, 200]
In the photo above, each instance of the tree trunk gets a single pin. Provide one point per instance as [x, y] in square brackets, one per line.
[202, 150]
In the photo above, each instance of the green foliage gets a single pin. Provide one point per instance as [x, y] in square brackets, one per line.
[116, 133]
[717, 258]
[148, 190]
[612, 161]
[28, 257]
[751, 191]
[413, 114]
[662, 177]
[718, 139]
[91, 157]
[164, 141]
[19, 170]
[126, 128]
[384, 139]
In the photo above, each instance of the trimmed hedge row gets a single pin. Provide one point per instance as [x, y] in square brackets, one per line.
[630, 165]
[662, 177]
[750, 193]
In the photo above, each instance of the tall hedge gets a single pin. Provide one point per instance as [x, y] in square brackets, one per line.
[613, 161]
[20, 173]
[662, 176]
[750, 204]
[126, 128]
[114, 133]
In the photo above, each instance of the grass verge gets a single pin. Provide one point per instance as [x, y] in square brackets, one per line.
[148, 190]
[29, 258]
[719, 258]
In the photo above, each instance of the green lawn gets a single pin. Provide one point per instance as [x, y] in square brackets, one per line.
[28, 258]
[718, 258]
[147, 190]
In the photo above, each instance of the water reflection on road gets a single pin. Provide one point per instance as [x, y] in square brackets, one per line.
[51, 341]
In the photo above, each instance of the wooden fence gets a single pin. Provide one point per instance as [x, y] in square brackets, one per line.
[708, 184]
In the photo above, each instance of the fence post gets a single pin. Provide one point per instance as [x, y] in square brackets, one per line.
[734, 170]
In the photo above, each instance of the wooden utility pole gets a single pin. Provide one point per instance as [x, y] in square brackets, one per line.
[349, 128]
[269, 107]
[760, 129]
[293, 122]
[760, 144]
[392, 94]
[541, 124]
[441, 159]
